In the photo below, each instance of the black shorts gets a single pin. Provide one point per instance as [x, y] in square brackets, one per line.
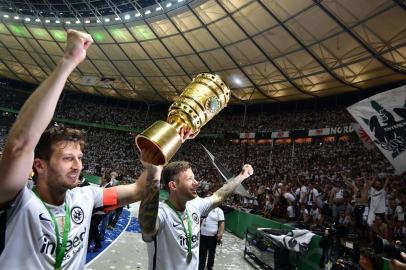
[358, 213]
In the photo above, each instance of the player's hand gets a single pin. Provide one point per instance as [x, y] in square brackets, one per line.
[246, 171]
[186, 133]
[397, 265]
[76, 46]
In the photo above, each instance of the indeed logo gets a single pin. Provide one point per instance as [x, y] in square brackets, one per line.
[49, 247]
[183, 240]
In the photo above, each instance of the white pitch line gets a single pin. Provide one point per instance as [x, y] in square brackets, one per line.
[104, 250]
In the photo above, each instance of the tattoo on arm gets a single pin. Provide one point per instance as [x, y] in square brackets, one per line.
[148, 212]
[226, 190]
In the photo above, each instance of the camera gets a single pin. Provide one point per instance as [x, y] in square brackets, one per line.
[387, 249]
[340, 250]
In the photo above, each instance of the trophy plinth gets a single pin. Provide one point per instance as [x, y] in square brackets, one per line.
[200, 101]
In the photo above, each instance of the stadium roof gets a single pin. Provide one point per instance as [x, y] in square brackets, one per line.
[265, 50]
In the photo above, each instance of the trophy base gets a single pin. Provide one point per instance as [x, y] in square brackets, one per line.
[162, 139]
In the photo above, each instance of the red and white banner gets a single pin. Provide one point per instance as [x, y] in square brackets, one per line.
[319, 132]
[280, 134]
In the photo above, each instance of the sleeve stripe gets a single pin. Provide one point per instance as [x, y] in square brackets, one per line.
[110, 197]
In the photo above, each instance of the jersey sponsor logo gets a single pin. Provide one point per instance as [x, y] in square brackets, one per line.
[41, 217]
[195, 218]
[183, 240]
[77, 215]
[48, 245]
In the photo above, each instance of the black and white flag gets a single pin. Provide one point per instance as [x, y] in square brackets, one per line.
[383, 117]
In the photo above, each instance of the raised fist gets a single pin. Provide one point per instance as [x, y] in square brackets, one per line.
[76, 46]
[247, 171]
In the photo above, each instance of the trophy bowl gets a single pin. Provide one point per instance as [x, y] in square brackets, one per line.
[199, 102]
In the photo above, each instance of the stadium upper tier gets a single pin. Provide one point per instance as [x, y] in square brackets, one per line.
[264, 50]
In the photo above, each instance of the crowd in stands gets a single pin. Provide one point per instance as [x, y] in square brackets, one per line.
[100, 111]
[312, 184]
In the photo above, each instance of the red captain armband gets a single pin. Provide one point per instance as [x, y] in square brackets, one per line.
[110, 199]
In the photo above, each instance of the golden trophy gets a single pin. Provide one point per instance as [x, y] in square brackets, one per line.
[200, 101]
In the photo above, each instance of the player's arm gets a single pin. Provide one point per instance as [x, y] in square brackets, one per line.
[221, 194]
[127, 194]
[34, 117]
[148, 212]
[220, 230]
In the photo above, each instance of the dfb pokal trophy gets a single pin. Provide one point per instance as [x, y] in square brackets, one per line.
[199, 102]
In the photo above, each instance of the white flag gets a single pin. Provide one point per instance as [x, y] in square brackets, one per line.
[383, 117]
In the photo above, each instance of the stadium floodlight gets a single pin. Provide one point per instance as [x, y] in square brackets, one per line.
[128, 16]
[158, 8]
[57, 21]
[106, 19]
[117, 18]
[77, 22]
[98, 21]
[137, 14]
[87, 21]
[169, 5]
[6, 16]
[27, 19]
[67, 22]
[238, 81]
[16, 17]
[180, 1]
[47, 21]
[37, 19]
[147, 12]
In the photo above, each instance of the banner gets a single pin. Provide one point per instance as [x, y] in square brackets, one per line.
[319, 132]
[250, 135]
[363, 136]
[280, 134]
[341, 130]
[383, 117]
